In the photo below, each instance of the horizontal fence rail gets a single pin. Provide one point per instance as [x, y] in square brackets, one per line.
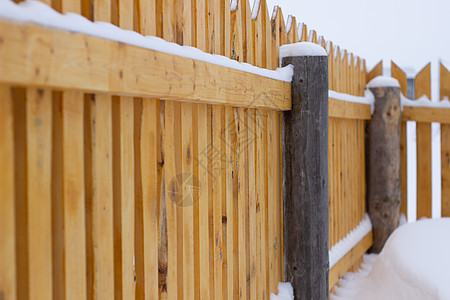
[47, 58]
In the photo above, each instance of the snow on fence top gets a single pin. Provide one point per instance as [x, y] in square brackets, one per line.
[39, 13]
[339, 250]
[302, 49]
[383, 81]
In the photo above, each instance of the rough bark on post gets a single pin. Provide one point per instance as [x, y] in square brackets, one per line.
[305, 168]
[383, 187]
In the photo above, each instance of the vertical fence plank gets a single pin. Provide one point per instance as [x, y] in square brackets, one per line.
[73, 196]
[445, 170]
[8, 280]
[231, 203]
[202, 165]
[99, 197]
[376, 71]
[243, 196]
[124, 196]
[170, 161]
[261, 194]
[252, 219]
[203, 203]
[217, 127]
[445, 146]
[423, 87]
[186, 183]
[398, 74]
[38, 131]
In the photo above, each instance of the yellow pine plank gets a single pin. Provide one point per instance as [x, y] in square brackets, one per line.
[426, 114]
[231, 204]
[335, 183]
[423, 87]
[273, 200]
[217, 127]
[261, 202]
[170, 161]
[331, 67]
[252, 218]
[376, 71]
[203, 203]
[133, 74]
[186, 183]
[275, 37]
[445, 170]
[38, 124]
[99, 197]
[243, 196]
[123, 172]
[73, 196]
[203, 273]
[444, 82]
[149, 147]
[348, 110]
[8, 279]
[336, 69]
[102, 193]
[21, 206]
[341, 205]
[227, 227]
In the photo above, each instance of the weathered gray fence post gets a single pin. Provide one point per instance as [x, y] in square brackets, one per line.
[383, 184]
[305, 169]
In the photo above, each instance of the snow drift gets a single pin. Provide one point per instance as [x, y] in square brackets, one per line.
[414, 264]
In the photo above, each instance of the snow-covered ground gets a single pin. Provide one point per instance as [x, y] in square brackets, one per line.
[414, 264]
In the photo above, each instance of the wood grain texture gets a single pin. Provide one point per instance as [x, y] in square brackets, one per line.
[38, 134]
[376, 71]
[305, 211]
[422, 84]
[349, 110]
[135, 72]
[384, 165]
[8, 269]
[426, 114]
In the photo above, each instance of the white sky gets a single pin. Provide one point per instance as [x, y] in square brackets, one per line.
[410, 32]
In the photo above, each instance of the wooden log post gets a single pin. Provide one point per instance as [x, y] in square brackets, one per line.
[383, 186]
[305, 168]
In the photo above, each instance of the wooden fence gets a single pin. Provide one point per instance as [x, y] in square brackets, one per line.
[113, 188]
[424, 116]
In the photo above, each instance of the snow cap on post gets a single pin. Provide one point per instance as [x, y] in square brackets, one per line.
[302, 49]
[383, 81]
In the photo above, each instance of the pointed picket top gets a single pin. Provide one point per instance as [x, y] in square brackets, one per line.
[321, 42]
[376, 71]
[283, 33]
[422, 83]
[329, 47]
[255, 9]
[289, 23]
[401, 77]
[444, 82]
[302, 32]
[337, 51]
[312, 36]
[292, 32]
